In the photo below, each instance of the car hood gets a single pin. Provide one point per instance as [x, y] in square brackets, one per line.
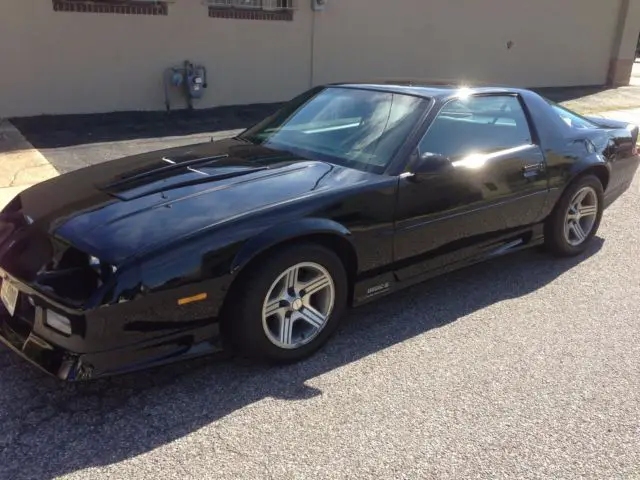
[123, 207]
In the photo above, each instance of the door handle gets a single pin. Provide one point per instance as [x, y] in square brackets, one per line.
[532, 170]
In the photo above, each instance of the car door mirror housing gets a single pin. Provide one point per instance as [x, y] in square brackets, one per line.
[428, 164]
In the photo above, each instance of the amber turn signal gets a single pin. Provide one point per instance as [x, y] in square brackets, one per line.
[195, 298]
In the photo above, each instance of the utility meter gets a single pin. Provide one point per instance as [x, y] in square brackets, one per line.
[196, 80]
[190, 79]
[318, 5]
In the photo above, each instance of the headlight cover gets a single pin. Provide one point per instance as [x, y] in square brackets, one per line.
[58, 322]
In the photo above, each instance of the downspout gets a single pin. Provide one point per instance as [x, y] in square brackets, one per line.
[617, 42]
[313, 49]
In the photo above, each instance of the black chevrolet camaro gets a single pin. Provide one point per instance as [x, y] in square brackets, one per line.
[258, 243]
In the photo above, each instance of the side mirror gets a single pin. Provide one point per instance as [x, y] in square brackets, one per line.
[429, 164]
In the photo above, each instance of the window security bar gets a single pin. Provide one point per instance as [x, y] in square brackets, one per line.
[117, 2]
[254, 4]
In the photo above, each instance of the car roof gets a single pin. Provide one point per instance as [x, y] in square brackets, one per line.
[439, 89]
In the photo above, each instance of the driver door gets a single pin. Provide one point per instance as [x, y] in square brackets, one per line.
[492, 183]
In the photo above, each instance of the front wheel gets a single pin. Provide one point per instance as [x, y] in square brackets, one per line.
[289, 305]
[576, 218]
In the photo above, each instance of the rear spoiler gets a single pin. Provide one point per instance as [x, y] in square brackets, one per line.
[617, 124]
[609, 123]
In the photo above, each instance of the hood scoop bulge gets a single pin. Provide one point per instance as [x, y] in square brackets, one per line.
[173, 172]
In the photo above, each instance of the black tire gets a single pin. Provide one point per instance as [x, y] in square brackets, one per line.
[243, 322]
[555, 240]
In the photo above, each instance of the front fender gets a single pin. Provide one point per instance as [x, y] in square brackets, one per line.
[287, 232]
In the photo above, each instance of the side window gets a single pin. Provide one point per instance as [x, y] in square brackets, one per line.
[477, 124]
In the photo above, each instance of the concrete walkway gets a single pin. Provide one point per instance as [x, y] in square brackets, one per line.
[635, 74]
[606, 100]
[21, 165]
[631, 115]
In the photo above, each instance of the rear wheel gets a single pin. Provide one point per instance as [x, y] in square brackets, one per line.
[576, 218]
[288, 306]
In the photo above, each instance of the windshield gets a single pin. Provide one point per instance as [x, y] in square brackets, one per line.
[357, 128]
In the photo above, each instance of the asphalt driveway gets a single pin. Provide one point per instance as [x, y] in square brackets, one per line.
[525, 366]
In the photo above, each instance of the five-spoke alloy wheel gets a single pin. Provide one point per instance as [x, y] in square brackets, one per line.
[298, 305]
[581, 216]
[576, 217]
[286, 305]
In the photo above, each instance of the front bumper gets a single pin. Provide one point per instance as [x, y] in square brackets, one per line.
[71, 366]
[27, 335]
[82, 356]
[50, 358]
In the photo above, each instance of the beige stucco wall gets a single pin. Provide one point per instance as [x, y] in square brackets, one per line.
[53, 62]
[60, 62]
[555, 42]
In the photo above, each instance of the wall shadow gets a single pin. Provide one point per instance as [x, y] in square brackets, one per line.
[50, 428]
[56, 131]
[560, 94]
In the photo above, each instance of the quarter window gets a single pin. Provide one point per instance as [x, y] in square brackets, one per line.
[572, 119]
[477, 124]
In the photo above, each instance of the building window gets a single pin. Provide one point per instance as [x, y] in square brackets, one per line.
[126, 7]
[252, 9]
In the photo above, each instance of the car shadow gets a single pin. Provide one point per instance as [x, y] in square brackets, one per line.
[51, 428]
